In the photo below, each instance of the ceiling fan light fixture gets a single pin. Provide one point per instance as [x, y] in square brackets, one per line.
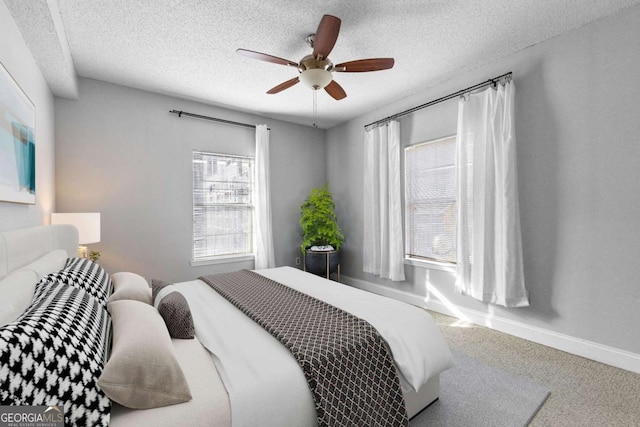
[316, 78]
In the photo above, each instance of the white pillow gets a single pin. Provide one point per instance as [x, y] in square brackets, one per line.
[130, 286]
[49, 263]
[143, 371]
[17, 291]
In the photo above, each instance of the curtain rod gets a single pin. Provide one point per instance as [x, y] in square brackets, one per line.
[215, 119]
[489, 82]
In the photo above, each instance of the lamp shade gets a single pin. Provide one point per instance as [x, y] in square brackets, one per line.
[88, 225]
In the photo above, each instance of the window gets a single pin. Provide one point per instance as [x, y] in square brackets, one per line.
[222, 206]
[430, 200]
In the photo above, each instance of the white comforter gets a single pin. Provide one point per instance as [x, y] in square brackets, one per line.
[265, 384]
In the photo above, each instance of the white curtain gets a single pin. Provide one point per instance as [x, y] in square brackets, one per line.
[383, 247]
[489, 244]
[262, 232]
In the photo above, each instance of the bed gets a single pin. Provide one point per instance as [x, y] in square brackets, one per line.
[233, 367]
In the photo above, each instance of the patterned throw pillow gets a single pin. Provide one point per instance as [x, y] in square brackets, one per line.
[85, 274]
[54, 354]
[157, 286]
[174, 309]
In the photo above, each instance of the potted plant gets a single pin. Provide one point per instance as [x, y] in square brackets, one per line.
[320, 230]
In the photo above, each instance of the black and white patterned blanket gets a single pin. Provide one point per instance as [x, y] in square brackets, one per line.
[54, 352]
[87, 275]
[348, 365]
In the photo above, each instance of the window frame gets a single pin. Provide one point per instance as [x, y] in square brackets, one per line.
[418, 261]
[230, 257]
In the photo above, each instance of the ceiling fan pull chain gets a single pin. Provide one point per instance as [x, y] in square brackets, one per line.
[315, 108]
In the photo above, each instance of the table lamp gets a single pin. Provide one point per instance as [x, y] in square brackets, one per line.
[88, 225]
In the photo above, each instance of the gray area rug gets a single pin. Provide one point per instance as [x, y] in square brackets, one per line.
[475, 394]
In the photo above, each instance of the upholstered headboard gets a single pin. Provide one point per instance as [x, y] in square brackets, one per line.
[22, 246]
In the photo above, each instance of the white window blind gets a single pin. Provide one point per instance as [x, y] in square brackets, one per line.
[222, 205]
[430, 200]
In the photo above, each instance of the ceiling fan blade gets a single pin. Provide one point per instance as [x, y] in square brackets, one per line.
[335, 90]
[264, 57]
[326, 36]
[283, 86]
[363, 65]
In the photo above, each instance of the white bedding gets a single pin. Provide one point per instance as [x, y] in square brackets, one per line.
[266, 386]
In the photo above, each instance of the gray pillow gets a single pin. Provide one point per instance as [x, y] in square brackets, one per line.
[174, 309]
[156, 286]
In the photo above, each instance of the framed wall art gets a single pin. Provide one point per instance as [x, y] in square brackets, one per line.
[17, 142]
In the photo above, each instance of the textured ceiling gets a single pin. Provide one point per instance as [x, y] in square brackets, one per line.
[186, 48]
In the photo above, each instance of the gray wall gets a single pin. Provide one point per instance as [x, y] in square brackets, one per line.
[578, 125]
[16, 58]
[119, 152]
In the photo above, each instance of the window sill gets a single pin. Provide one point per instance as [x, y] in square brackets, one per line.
[433, 265]
[222, 260]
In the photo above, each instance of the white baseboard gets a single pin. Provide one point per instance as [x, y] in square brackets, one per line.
[591, 350]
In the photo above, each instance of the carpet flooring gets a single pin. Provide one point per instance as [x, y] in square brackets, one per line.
[584, 393]
[474, 394]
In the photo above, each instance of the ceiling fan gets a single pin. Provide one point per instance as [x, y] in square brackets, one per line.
[316, 69]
